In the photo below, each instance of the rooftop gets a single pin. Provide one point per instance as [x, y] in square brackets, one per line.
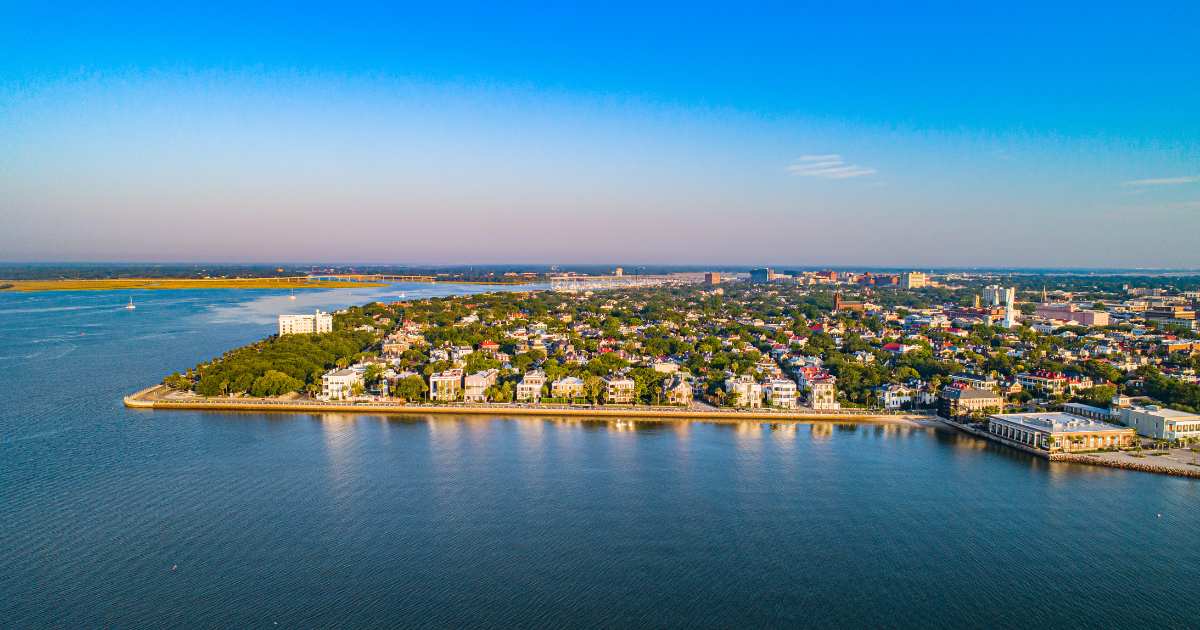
[1057, 422]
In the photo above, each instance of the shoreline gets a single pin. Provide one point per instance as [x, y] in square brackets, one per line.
[167, 284]
[148, 398]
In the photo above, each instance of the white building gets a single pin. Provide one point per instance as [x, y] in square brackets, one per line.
[530, 387]
[446, 386]
[822, 394]
[475, 385]
[996, 295]
[316, 323]
[339, 384]
[1160, 423]
[619, 390]
[744, 391]
[895, 396]
[780, 393]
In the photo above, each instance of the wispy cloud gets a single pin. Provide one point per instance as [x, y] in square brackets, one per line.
[1163, 181]
[828, 166]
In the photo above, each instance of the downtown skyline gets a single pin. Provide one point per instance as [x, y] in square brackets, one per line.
[931, 137]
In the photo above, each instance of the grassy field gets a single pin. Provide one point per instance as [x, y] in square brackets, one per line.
[178, 283]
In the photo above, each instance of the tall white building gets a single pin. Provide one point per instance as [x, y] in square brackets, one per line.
[1010, 311]
[316, 323]
[996, 295]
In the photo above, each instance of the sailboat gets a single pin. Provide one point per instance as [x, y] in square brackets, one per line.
[130, 306]
[293, 295]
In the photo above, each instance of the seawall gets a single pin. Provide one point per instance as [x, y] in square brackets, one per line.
[148, 399]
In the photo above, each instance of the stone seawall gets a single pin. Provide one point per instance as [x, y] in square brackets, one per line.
[149, 398]
[1125, 465]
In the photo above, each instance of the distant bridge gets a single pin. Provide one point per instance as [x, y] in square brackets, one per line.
[369, 277]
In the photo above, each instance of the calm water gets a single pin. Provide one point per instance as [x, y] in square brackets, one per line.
[115, 517]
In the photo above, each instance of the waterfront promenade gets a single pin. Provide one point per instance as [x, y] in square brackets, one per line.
[161, 397]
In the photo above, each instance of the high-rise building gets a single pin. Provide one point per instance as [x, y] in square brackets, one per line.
[712, 278]
[1010, 311]
[762, 274]
[914, 280]
[996, 295]
[316, 323]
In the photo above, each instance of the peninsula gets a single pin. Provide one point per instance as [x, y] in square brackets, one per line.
[1074, 378]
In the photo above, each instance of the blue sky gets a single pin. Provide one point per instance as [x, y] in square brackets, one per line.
[916, 134]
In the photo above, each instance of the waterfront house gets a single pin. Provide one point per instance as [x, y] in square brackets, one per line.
[339, 384]
[446, 386]
[619, 390]
[567, 387]
[743, 391]
[475, 385]
[961, 400]
[677, 389]
[780, 393]
[822, 392]
[530, 387]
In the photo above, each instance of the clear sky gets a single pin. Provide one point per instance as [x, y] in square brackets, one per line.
[1039, 134]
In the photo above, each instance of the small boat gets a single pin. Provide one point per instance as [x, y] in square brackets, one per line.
[293, 295]
[130, 306]
[401, 296]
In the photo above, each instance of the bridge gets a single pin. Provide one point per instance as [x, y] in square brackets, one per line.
[369, 277]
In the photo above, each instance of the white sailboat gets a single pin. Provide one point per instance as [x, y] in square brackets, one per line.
[130, 306]
[293, 295]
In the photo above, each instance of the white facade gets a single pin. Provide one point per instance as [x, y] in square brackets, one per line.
[619, 390]
[316, 323]
[339, 384]
[1161, 423]
[530, 387]
[744, 391]
[996, 295]
[822, 394]
[475, 385]
[446, 386]
[780, 393]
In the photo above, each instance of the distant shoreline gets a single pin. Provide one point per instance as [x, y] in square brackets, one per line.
[24, 286]
[150, 398]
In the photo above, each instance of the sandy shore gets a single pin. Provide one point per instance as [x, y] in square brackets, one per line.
[158, 397]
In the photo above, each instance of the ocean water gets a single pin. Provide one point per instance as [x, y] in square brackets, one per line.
[111, 517]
